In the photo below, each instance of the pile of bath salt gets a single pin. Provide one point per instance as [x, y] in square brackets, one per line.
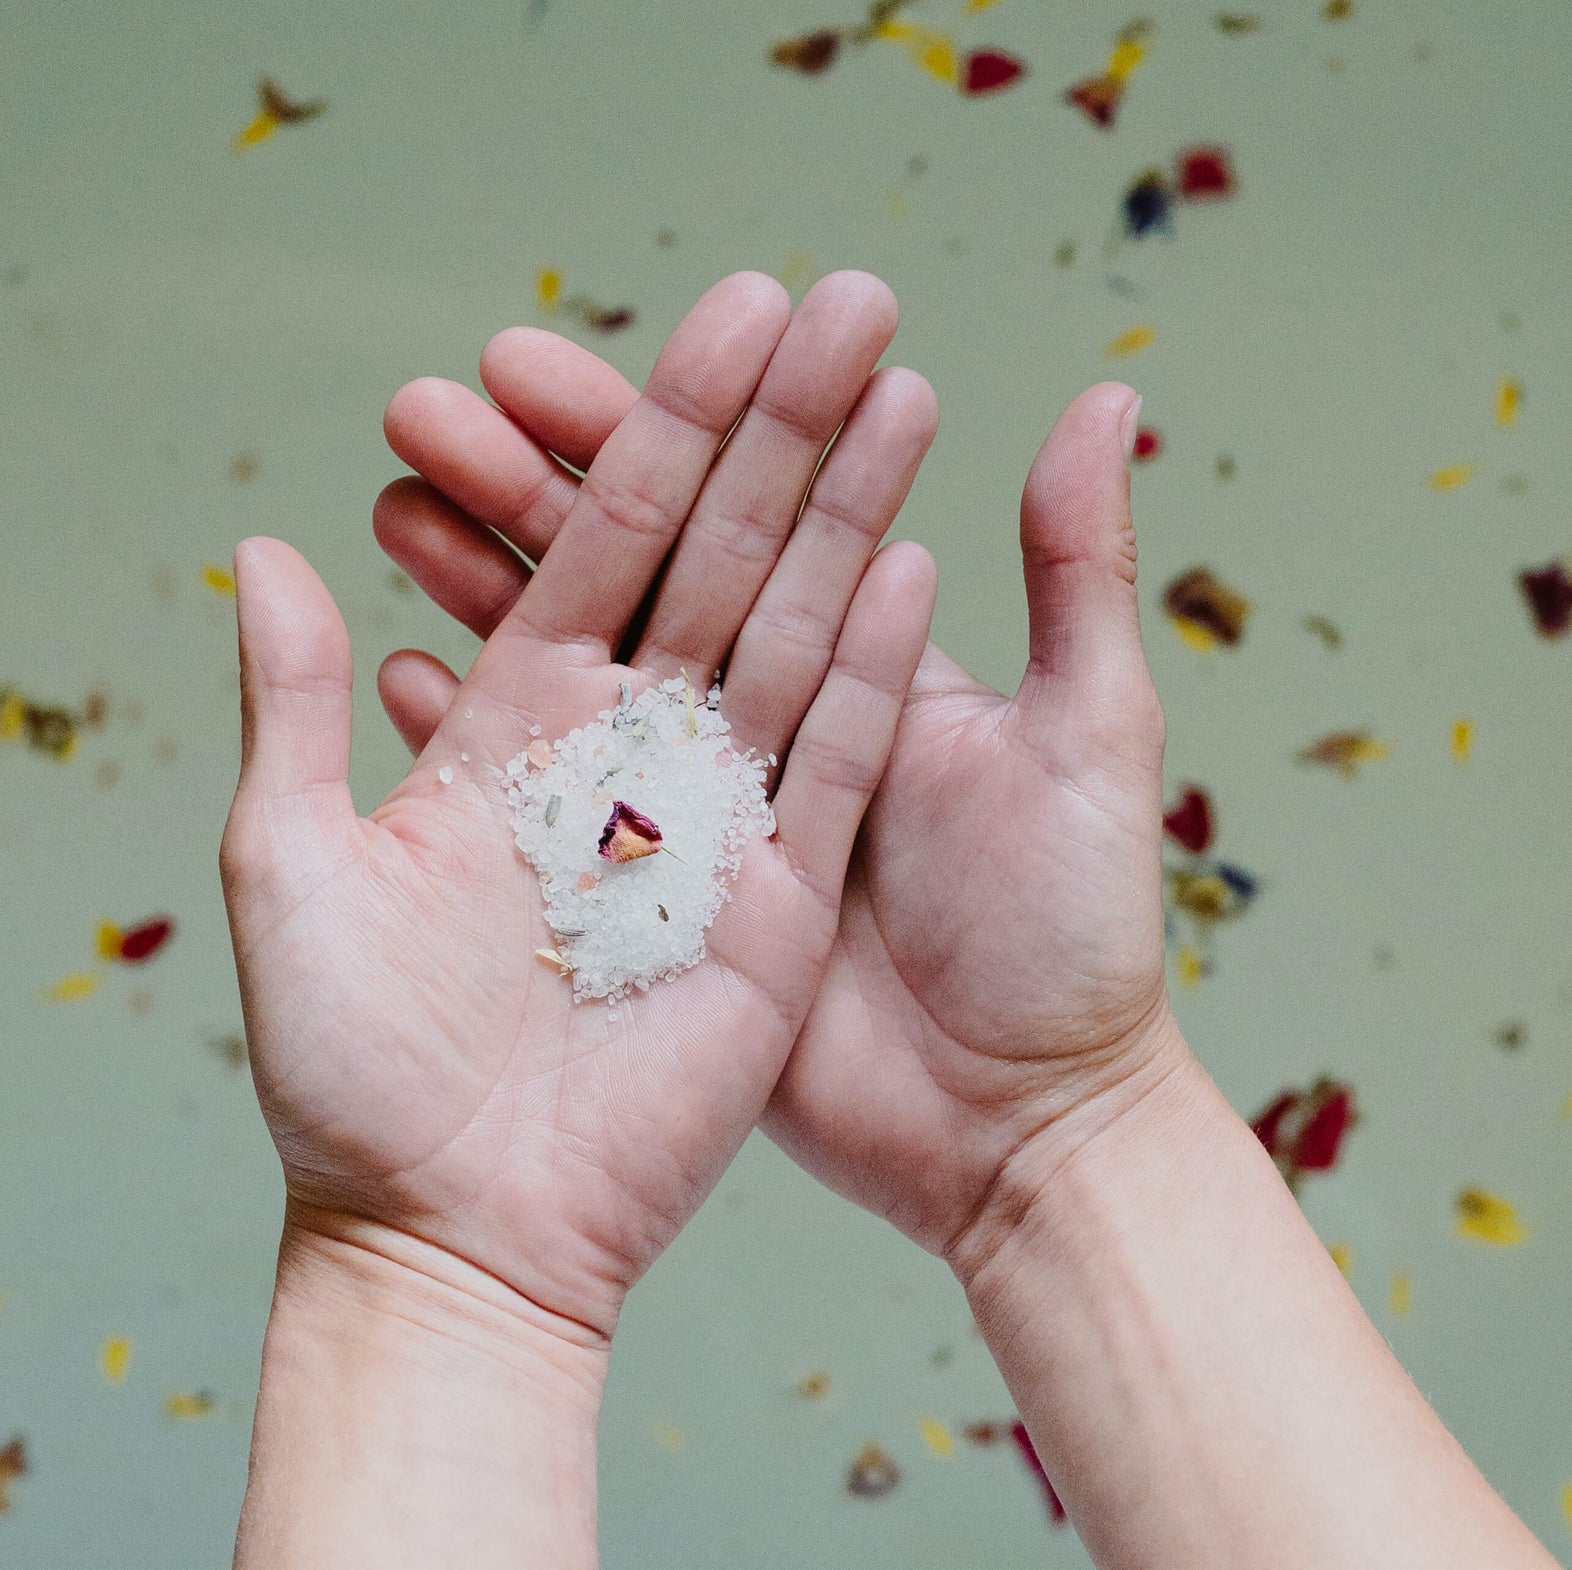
[636, 825]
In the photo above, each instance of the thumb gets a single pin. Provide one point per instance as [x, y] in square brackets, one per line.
[1078, 553]
[295, 680]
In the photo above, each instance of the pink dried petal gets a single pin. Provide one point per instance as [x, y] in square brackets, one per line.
[628, 834]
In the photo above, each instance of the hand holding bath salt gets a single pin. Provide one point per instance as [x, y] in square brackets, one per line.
[526, 1011]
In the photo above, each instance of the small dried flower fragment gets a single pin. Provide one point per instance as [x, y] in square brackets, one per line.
[185, 1405]
[1189, 821]
[990, 71]
[1488, 1218]
[1235, 24]
[814, 1386]
[555, 960]
[1303, 1130]
[1204, 174]
[628, 835]
[1347, 751]
[1325, 629]
[1548, 590]
[811, 54]
[13, 1465]
[274, 109]
[1200, 599]
[873, 1473]
[1147, 204]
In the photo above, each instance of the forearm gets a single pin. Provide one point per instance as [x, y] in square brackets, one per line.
[1201, 1383]
[411, 1415]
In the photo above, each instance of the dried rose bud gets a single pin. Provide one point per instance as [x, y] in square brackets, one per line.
[628, 834]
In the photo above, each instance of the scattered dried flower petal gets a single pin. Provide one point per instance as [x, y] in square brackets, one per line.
[990, 71]
[1148, 444]
[219, 579]
[1509, 401]
[1200, 598]
[71, 989]
[185, 1405]
[1132, 341]
[1204, 174]
[814, 1386]
[114, 1360]
[811, 54]
[1147, 204]
[1488, 1218]
[1452, 477]
[1401, 1295]
[1511, 1036]
[1326, 630]
[1548, 590]
[936, 1436]
[1343, 1257]
[144, 940]
[1189, 821]
[1303, 1130]
[1347, 751]
[13, 1465]
[628, 835]
[1028, 1453]
[1462, 740]
[1235, 24]
[873, 1474]
[1098, 98]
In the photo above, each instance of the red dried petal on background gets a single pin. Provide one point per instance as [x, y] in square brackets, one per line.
[1189, 820]
[1023, 1443]
[1548, 591]
[1148, 443]
[990, 71]
[1331, 1116]
[1268, 1125]
[1204, 174]
[142, 942]
[1098, 99]
[628, 834]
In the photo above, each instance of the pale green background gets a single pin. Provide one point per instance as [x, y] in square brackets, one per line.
[1339, 329]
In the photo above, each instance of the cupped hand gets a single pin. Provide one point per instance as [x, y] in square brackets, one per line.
[423, 1076]
[997, 982]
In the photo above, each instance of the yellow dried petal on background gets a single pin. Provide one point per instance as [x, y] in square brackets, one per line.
[796, 271]
[1566, 1502]
[1187, 962]
[1202, 639]
[70, 989]
[669, 1438]
[13, 715]
[1342, 1257]
[1509, 399]
[1488, 1218]
[1401, 1296]
[937, 57]
[1126, 55]
[1131, 342]
[114, 1359]
[1452, 477]
[935, 1435]
[184, 1405]
[1566, 1109]
[219, 579]
[107, 940]
[548, 288]
[1462, 740]
[980, 5]
[259, 130]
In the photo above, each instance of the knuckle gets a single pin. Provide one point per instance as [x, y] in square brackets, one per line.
[630, 507]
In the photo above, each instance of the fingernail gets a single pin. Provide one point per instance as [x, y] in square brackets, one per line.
[1129, 425]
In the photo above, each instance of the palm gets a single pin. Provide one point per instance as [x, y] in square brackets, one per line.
[559, 1146]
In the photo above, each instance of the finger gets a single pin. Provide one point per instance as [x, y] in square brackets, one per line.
[295, 679]
[457, 561]
[1078, 550]
[788, 640]
[845, 740]
[642, 485]
[750, 502]
[416, 689]
[557, 392]
[480, 460]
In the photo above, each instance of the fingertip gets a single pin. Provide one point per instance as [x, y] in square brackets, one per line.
[915, 395]
[865, 293]
[412, 410]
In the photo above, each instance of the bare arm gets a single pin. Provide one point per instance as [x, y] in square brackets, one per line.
[1202, 1385]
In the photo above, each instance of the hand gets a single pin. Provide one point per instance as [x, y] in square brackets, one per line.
[429, 1084]
[998, 973]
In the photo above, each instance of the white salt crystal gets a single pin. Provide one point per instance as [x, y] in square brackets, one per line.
[464, 757]
[622, 925]
[445, 774]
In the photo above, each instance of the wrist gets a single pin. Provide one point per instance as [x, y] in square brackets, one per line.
[1128, 1120]
[414, 1410]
